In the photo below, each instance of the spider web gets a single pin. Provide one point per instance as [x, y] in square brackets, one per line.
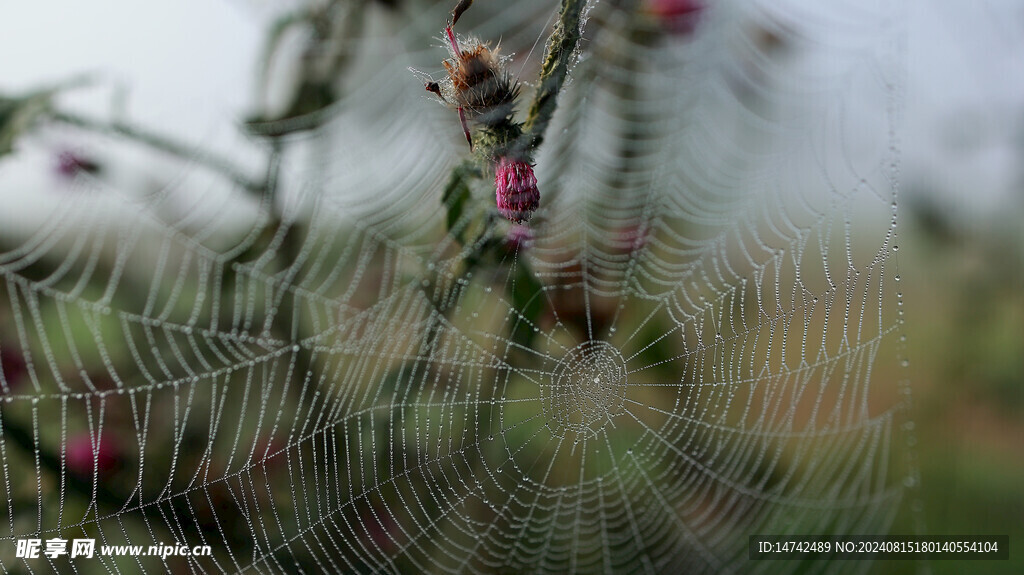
[697, 340]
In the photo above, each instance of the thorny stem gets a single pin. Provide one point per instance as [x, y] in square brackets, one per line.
[163, 144]
[561, 46]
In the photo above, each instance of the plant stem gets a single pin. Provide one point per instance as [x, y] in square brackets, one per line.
[163, 144]
[561, 46]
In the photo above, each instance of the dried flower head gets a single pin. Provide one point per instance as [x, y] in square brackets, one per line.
[478, 85]
[516, 189]
[478, 81]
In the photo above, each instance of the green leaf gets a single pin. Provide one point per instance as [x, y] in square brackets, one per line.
[456, 194]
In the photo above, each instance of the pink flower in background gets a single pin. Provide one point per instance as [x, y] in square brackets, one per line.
[13, 366]
[631, 239]
[519, 237]
[82, 452]
[516, 189]
[71, 163]
[678, 17]
[383, 529]
[271, 454]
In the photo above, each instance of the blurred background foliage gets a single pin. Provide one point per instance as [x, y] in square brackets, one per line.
[965, 335]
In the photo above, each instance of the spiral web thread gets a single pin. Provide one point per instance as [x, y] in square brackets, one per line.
[699, 342]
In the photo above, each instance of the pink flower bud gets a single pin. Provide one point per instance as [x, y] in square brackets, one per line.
[516, 189]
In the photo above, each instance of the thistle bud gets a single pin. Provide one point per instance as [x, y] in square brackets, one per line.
[516, 189]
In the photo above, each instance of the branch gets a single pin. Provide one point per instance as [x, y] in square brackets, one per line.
[164, 144]
[561, 46]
